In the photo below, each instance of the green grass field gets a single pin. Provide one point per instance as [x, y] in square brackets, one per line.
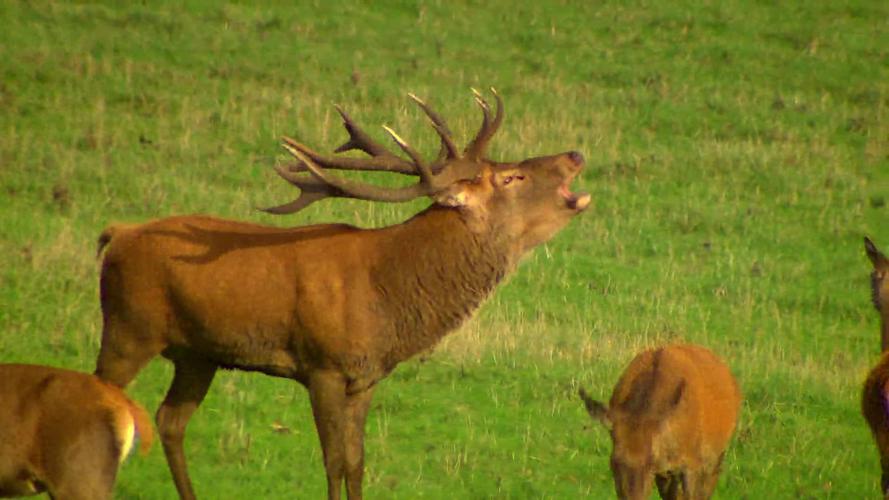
[737, 153]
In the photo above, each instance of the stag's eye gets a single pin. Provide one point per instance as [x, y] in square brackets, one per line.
[511, 178]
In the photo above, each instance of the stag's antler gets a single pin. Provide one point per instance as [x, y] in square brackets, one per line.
[449, 150]
[318, 184]
[476, 149]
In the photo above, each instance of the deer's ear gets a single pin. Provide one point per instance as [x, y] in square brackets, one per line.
[596, 409]
[467, 192]
[874, 254]
[464, 193]
[455, 195]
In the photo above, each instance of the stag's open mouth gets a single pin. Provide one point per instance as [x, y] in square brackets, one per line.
[574, 201]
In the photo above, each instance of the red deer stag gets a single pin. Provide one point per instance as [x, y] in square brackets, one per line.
[671, 416]
[875, 396]
[331, 306]
[64, 432]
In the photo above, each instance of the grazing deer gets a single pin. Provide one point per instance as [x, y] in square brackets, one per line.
[331, 306]
[64, 432]
[875, 396]
[671, 416]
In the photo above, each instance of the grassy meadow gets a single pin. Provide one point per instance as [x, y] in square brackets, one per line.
[736, 152]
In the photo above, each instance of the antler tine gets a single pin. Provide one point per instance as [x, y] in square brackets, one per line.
[449, 150]
[358, 139]
[498, 117]
[422, 169]
[476, 149]
[486, 109]
[310, 191]
[385, 163]
[322, 185]
[381, 160]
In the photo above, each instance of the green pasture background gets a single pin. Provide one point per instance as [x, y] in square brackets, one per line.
[736, 152]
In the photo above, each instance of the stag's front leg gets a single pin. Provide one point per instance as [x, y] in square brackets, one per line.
[327, 390]
[357, 406]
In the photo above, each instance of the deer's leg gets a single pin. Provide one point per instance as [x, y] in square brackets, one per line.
[701, 483]
[668, 485]
[357, 406]
[884, 476]
[327, 390]
[709, 477]
[191, 381]
[884, 484]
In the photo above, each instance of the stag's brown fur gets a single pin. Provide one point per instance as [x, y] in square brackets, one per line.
[64, 432]
[671, 416]
[875, 395]
[331, 306]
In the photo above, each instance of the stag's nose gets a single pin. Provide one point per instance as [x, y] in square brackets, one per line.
[576, 157]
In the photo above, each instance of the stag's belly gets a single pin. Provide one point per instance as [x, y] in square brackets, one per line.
[248, 349]
[237, 324]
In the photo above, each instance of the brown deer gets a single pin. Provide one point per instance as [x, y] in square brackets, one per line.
[875, 396]
[671, 416]
[64, 432]
[331, 306]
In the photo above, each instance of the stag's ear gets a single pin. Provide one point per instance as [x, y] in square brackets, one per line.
[458, 194]
[466, 192]
[596, 409]
[874, 254]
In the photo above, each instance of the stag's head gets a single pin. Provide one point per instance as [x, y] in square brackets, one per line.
[528, 201]
[879, 277]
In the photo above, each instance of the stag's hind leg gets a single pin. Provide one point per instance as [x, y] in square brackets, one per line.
[191, 380]
[126, 349]
[135, 321]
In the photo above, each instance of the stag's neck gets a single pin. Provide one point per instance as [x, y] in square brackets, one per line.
[434, 273]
